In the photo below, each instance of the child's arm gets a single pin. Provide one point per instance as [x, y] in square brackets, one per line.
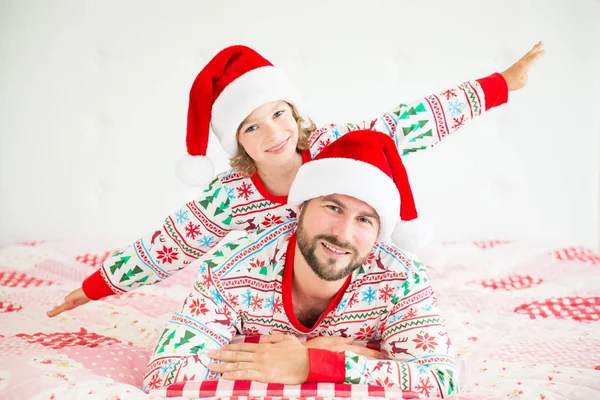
[184, 236]
[425, 122]
[206, 322]
[428, 121]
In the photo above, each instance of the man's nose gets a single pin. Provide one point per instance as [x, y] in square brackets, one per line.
[342, 229]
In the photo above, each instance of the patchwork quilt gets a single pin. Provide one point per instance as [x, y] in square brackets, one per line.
[524, 318]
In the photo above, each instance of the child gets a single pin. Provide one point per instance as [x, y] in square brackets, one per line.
[256, 114]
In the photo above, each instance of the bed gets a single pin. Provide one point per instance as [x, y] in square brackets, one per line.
[523, 317]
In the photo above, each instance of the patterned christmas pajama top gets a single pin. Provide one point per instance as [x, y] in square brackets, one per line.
[245, 287]
[233, 202]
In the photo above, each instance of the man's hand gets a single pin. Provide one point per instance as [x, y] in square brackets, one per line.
[516, 74]
[279, 359]
[341, 344]
[73, 300]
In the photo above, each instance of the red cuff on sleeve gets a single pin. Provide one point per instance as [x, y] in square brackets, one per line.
[326, 366]
[495, 90]
[95, 287]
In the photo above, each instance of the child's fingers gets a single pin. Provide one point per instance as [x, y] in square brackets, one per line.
[57, 310]
[533, 51]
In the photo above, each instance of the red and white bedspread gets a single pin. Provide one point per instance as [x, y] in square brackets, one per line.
[524, 319]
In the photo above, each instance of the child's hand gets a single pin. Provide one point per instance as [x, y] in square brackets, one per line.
[73, 300]
[516, 74]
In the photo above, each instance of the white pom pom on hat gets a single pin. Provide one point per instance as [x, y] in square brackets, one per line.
[412, 235]
[196, 171]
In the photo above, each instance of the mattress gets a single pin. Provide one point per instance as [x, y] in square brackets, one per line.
[523, 317]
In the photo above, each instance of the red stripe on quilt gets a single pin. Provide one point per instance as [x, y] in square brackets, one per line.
[175, 390]
[275, 389]
[376, 391]
[342, 390]
[309, 390]
[241, 387]
[208, 388]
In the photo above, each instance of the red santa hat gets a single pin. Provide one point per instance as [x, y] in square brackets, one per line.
[233, 84]
[365, 165]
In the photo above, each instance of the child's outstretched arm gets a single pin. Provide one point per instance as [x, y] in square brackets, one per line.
[425, 122]
[451, 109]
[184, 236]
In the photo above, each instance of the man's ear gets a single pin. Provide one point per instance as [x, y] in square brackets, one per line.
[302, 205]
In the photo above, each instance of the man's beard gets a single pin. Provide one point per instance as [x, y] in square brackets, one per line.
[326, 271]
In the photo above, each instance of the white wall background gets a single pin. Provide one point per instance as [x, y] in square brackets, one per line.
[93, 104]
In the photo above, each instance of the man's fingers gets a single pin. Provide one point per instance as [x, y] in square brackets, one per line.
[277, 338]
[231, 367]
[232, 356]
[237, 371]
[247, 347]
[244, 375]
[347, 340]
[364, 351]
[333, 339]
[333, 343]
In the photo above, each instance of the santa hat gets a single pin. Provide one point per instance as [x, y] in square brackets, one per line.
[235, 82]
[365, 165]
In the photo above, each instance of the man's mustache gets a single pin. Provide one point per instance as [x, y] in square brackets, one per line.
[334, 241]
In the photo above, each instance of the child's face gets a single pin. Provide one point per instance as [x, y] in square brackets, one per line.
[270, 134]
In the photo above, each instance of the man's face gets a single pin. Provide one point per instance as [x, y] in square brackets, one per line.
[335, 234]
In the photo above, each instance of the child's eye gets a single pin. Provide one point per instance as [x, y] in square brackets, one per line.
[278, 113]
[251, 128]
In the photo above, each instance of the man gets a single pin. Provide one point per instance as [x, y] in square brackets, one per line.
[329, 276]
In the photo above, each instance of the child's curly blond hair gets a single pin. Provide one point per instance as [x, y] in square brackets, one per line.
[242, 162]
